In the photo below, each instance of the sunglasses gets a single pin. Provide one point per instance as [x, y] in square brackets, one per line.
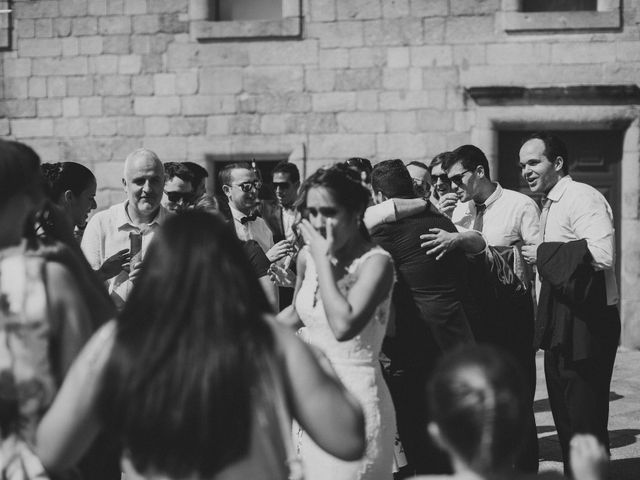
[457, 179]
[175, 197]
[443, 178]
[282, 185]
[246, 187]
[324, 211]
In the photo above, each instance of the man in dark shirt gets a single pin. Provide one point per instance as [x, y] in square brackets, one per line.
[429, 313]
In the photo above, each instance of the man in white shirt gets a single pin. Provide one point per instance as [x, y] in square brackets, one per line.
[505, 218]
[107, 238]
[579, 365]
[240, 184]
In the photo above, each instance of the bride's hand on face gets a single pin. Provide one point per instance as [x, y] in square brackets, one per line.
[319, 246]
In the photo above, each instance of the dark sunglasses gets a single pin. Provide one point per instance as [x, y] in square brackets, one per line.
[175, 197]
[443, 178]
[457, 179]
[282, 185]
[246, 187]
[324, 211]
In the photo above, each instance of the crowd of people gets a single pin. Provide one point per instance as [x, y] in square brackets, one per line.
[365, 323]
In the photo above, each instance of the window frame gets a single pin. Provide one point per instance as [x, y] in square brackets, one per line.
[607, 17]
[202, 29]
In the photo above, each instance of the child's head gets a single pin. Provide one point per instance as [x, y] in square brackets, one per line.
[477, 403]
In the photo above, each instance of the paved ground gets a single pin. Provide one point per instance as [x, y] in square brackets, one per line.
[624, 419]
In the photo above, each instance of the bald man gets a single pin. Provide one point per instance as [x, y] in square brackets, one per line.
[111, 233]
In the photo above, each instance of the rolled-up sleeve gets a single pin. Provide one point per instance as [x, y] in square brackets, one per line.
[384, 212]
[530, 223]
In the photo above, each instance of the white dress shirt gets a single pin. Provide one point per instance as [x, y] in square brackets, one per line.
[289, 217]
[578, 211]
[107, 233]
[257, 229]
[383, 212]
[510, 217]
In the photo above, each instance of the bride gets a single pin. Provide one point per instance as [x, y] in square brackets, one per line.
[342, 298]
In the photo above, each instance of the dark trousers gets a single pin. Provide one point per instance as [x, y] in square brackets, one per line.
[408, 391]
[579, 390]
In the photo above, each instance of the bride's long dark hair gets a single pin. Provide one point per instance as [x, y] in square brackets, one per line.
[189, 347]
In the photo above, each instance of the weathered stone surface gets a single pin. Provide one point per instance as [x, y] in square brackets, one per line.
[220, 80]
[367, 57]
[25, 108]
[44, 28]
[30, 128]
[273, 79]
[45, 47]
[113, 85]
[359, 9]
[81, 86]
[208, 104]
[333, 35]
[359, 79]
[37, 87]
[334, 102]
[361, 122]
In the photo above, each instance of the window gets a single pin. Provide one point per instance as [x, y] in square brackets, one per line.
[245, 19]
[225, 10]
[558, 5]
[560, 15]
[5, 25]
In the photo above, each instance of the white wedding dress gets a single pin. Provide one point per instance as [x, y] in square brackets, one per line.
[356, 363]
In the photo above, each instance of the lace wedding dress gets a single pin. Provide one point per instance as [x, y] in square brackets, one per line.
[356, 363]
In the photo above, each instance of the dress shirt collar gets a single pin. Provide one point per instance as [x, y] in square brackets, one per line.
[237, 214]
[556, 192]
[123, 220]
[497, 193]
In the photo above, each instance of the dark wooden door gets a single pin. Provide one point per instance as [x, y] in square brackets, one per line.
[594, 158]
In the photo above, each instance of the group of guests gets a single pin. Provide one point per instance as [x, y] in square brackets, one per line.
[242, 338]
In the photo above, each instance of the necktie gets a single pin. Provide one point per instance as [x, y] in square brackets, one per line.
[249, 218]
[478, 223]
[546, 204]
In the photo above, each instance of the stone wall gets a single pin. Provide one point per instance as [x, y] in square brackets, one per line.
[91, 80]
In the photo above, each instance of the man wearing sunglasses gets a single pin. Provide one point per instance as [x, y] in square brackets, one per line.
[178, 187]
[241, 185]
[506, 218]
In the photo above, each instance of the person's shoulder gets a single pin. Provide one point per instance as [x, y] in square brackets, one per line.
[583, 195]
[105, 216]
[519, 197]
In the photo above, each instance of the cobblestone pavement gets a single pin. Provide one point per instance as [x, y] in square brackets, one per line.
[624, 419]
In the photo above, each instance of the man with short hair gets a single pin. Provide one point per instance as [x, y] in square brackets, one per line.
[179, 183]
[430, 317]
[108, 236]
[421, 178]
[286, 182]
[200, 174]
[507, 219]
[241, 185]
[442, 193]
[577, 324]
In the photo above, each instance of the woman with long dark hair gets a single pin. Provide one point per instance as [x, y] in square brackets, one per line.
[342, 297]
[477, 402]
[43, 318]
[193, 377]
[72, 188]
